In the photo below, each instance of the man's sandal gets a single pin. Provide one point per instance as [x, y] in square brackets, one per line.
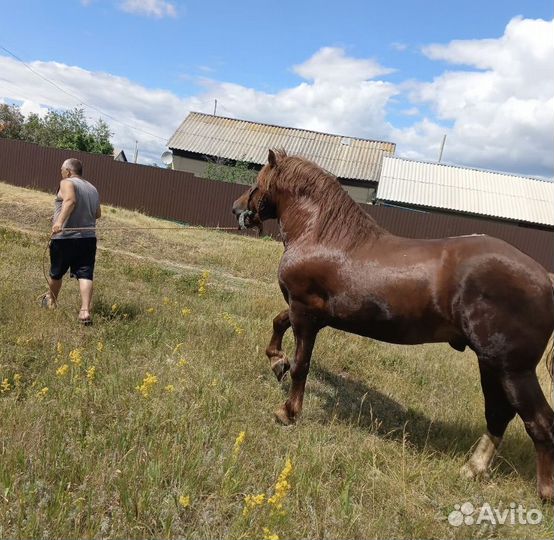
[87, 321]
[46, 301]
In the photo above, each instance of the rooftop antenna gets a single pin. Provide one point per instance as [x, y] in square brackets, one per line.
[215, 106]
[136, 151]
[442, 148]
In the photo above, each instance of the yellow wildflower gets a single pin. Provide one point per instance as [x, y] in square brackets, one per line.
[62, 370]
[115, 307]
[166, 301]
[268, 535]
[76, 356]
[17, 379]
[184, 501]
[202, 282]
[99, 346]
[232, 322]
[185, 312]
[282, 486]
[151, 310]
[148, 382]
[42, 393]
[238, 443]
[5, 386]
[59, 348]
[91, 374]
[251, 501]
[169, 388]
[183, 362]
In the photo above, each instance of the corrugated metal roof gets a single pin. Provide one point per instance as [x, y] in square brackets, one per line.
[473, 191]
[241, 140]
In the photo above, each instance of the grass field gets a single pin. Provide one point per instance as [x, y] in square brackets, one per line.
[157, 422]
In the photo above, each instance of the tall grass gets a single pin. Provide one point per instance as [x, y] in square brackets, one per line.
[157, 421]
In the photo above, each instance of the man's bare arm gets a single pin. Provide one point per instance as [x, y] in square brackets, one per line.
[67, 193]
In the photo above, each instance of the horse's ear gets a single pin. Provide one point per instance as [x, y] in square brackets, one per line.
[271, 158]
[274, 156]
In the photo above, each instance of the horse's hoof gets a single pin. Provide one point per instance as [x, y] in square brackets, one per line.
[546, 493]
[470, 472]
[282, 417]
[280, 365]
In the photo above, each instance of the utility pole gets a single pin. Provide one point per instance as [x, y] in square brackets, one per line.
[442, 148]
[215, 106]
[136, 151]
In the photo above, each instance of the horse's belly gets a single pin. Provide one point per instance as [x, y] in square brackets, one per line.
[400, 333]
[378, 321]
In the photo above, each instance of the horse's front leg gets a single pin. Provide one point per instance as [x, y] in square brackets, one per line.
[305, 339]
[274, 351]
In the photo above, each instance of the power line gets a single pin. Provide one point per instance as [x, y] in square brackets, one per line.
[79, 100]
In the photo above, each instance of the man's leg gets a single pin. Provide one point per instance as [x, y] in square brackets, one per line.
[84, 270]
[58, 267]
[55, 286]
[85, 288]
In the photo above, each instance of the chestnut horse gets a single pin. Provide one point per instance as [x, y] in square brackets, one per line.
[341, 269]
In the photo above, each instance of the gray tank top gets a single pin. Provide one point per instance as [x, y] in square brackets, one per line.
[84, 213]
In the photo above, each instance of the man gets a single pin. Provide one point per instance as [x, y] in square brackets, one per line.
[77, 206]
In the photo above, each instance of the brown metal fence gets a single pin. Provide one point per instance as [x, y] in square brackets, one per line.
[183, 197]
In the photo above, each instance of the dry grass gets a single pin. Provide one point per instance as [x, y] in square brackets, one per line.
[376, 454]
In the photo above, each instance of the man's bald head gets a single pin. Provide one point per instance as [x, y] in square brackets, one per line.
[72, 167]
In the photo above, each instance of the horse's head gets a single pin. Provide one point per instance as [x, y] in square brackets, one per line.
[256, 204]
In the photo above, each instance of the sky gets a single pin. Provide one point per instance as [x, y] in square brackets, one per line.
[409, 72]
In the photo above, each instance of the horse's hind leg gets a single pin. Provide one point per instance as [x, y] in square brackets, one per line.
[274, 351]
[526, 396]
[498, 413]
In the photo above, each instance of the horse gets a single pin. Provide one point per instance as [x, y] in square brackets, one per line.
[341, 269]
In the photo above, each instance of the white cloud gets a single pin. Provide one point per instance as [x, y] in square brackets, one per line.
[332, 64]
[150, 8]
[28, 107]
[500, 113]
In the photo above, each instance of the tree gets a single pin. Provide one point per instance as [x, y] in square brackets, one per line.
[66, 129]
[11, 121]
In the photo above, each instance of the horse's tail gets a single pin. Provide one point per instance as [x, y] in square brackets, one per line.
[549, 351]
[549, 360]
[549, 357]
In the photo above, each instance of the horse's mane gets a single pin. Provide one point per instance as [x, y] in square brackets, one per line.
[340, 217]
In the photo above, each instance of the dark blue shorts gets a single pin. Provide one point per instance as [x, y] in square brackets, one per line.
[74, 254]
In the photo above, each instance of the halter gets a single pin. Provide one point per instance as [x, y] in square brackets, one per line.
[248, 213]
[253, 190]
